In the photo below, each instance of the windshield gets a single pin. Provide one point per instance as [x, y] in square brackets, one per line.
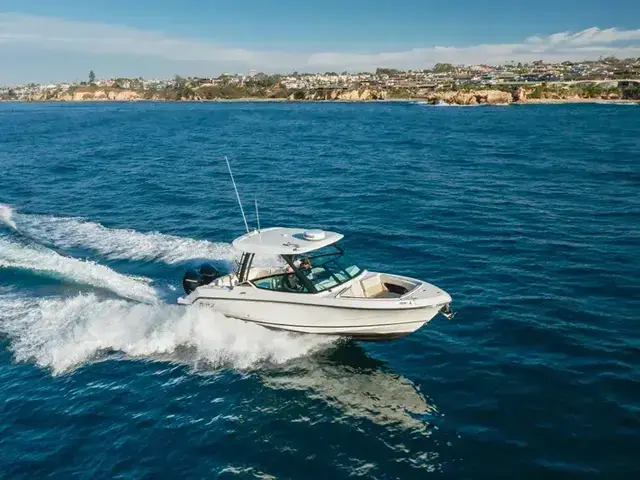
[327, 268]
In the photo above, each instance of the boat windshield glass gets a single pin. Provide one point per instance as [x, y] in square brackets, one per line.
[281, 282]
[326, 268]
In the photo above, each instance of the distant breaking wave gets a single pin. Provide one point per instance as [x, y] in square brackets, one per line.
[445, 104]
[65, 333]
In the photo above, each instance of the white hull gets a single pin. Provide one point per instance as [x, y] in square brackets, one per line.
[355, 323]
[329, 313]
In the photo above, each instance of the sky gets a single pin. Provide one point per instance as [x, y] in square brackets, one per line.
[51, 41]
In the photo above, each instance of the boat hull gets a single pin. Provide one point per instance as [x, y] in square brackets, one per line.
[356, 323]
[337, 312]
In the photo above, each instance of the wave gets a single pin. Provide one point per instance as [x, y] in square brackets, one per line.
[113, 243]
[48, 262]
[441, 103]
[627, 103]
[64, 333]
[6, 216]
[445, 104]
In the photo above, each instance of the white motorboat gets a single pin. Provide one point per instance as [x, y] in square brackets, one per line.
[314, 289]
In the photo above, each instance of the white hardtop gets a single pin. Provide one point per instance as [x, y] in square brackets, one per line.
[285, 241]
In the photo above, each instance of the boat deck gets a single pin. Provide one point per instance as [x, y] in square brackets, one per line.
[386, 294]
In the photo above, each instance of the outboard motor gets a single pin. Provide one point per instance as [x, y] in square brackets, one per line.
[195, 278]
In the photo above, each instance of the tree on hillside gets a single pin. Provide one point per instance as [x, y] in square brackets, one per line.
[387, 71]
[92, 77]
[263, 80]
[179, 82]
[443, 68]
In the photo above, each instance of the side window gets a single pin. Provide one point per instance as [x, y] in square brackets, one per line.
[291, 283]
[284, 282]
[268, 283]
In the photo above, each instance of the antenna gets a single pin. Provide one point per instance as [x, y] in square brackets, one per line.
[237, 195]
[257, 214]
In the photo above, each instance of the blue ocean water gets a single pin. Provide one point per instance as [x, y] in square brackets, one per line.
[528, 215]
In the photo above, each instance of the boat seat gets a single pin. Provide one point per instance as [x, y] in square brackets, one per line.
[373, 287]
[355, 290]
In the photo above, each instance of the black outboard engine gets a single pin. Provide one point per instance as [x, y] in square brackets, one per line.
[195, 278]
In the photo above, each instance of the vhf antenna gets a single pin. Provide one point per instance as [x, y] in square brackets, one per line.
[246, 225]
[257, 214]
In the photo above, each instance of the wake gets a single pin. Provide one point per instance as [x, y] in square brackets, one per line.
[6, 216]
[113, 243]
[47, 262]
[62, 334]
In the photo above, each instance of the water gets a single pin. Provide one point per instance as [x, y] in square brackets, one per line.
[528, 215]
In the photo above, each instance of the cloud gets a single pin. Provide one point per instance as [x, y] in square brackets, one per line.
[59, 35]
[590, 36]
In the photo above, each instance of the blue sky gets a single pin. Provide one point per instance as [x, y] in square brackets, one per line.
[45, 40]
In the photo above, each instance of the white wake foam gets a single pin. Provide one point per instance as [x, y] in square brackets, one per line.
[48, 262]
[113, 242]
[6, 216]
[62, 334]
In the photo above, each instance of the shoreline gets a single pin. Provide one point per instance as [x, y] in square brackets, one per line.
[532, 101]
[577, 100]
[535, 101]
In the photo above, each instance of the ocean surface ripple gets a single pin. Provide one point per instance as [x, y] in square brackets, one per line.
[528, 215]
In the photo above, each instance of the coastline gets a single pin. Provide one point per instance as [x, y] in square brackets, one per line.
[577, 100]
[452, 96]
[532, 101]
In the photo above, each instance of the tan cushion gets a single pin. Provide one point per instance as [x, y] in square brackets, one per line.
[372, 286]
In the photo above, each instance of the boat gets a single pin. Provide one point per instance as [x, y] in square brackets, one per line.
[314, 289]
[311, 288]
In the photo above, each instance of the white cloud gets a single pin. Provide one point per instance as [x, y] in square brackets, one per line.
[52, 34]
[590, 36]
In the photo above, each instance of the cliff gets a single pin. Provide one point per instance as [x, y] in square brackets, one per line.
[93, 95]
[551, 93]
[116, 94]
[541, 93]
[349, 95]
[471, 97]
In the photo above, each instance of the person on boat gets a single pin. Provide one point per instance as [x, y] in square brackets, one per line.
[305, 267]
[305, 264]
[291, 281]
